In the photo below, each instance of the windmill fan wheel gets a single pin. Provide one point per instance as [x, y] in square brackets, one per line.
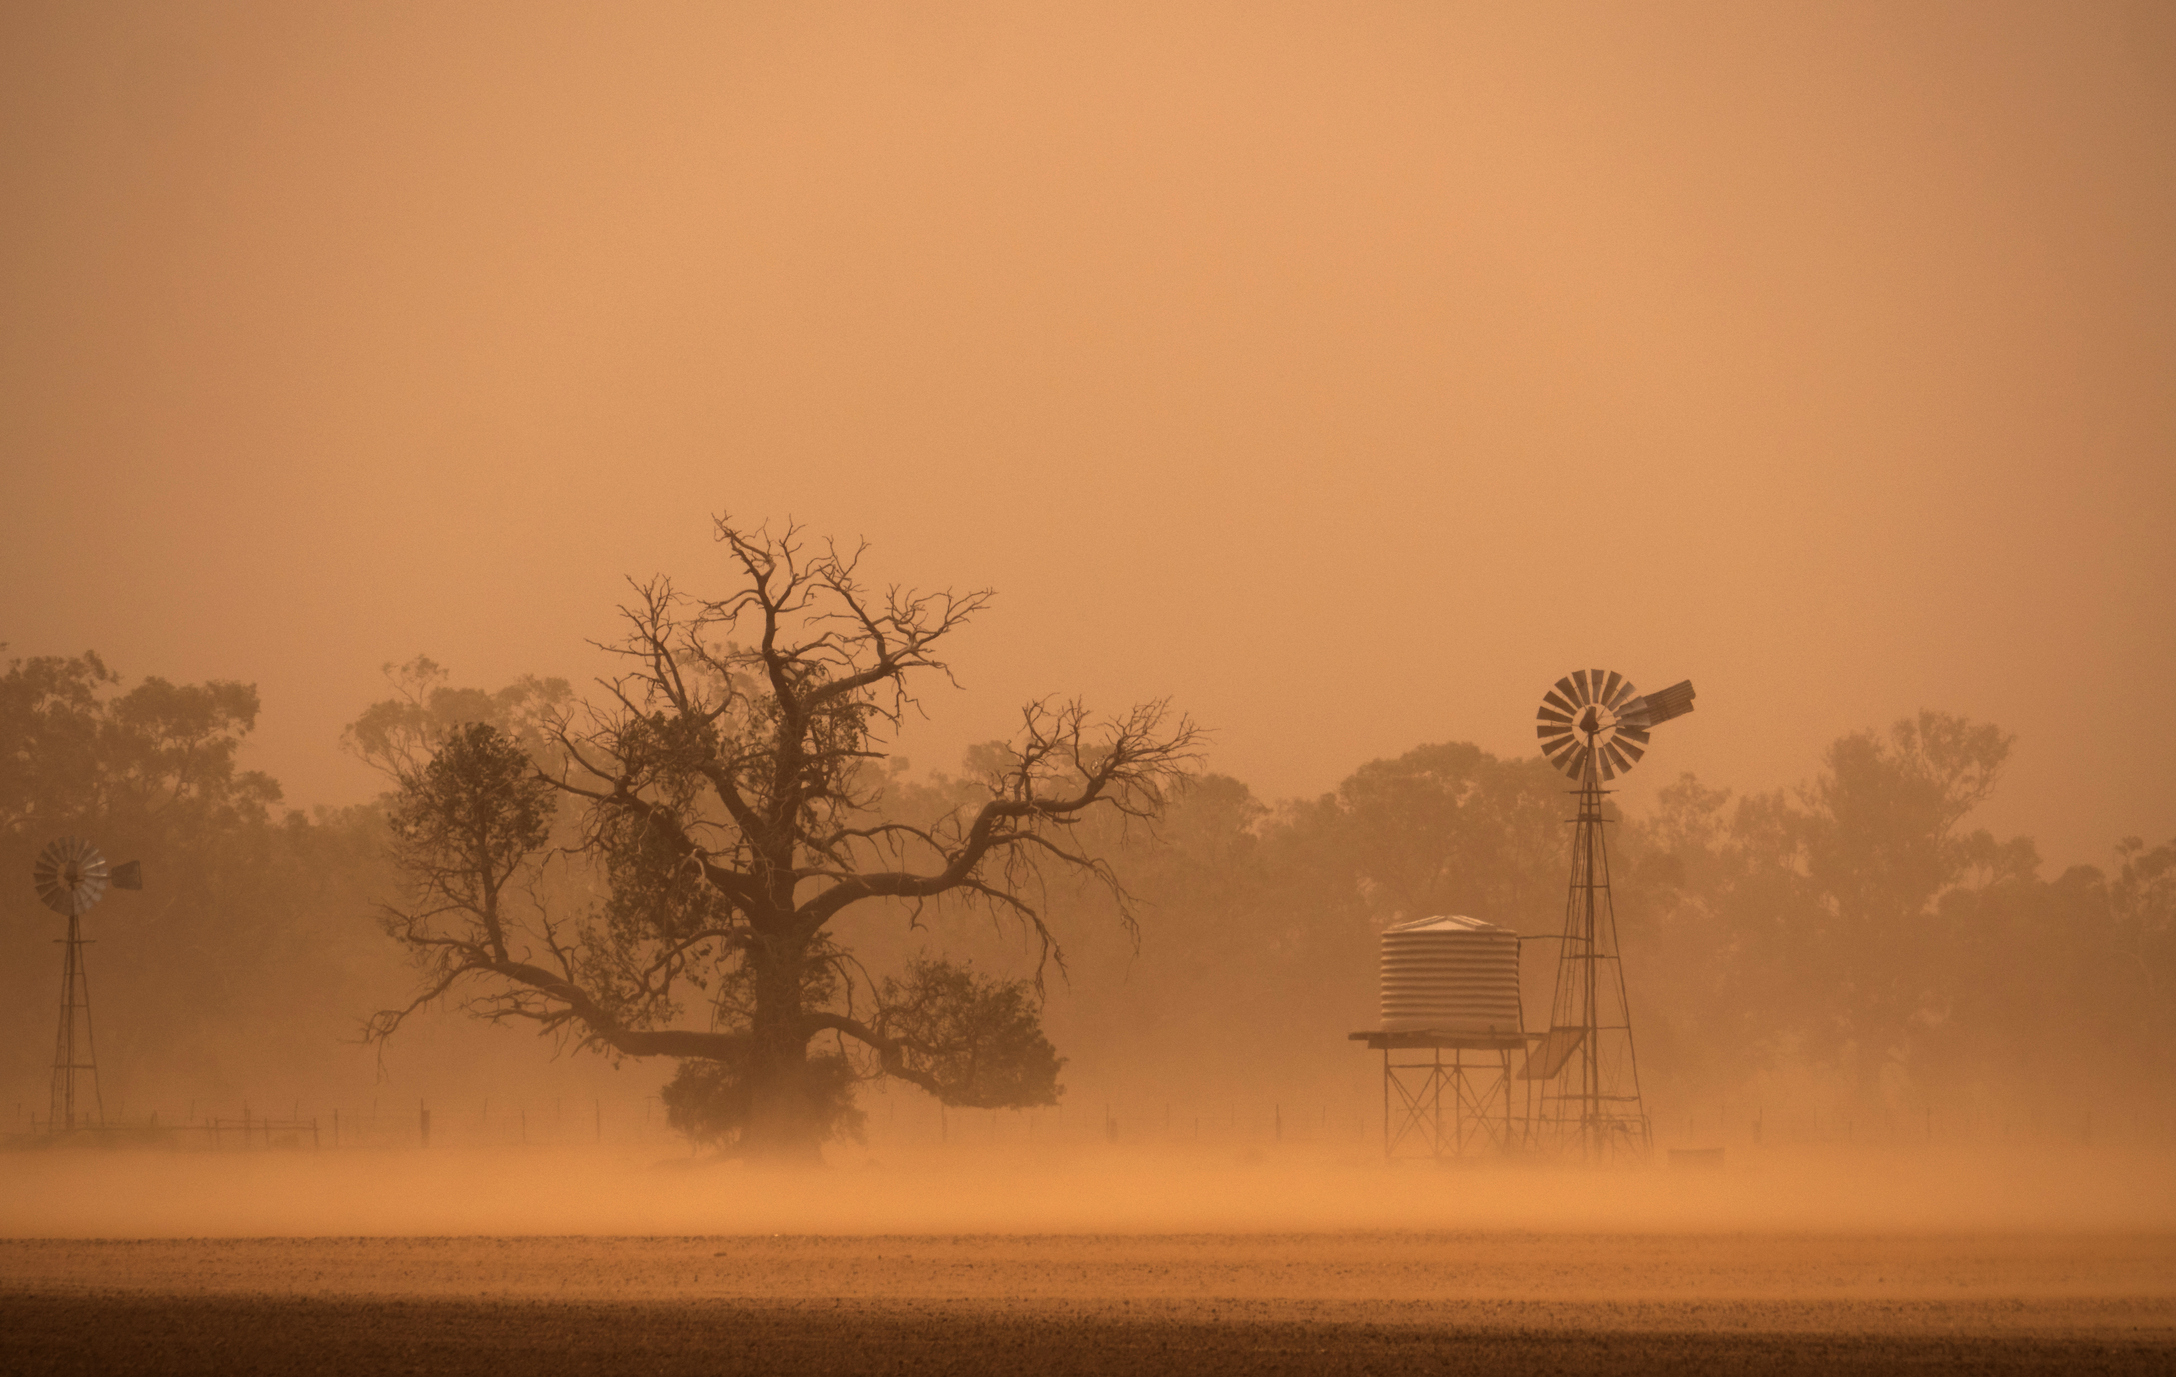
[70, 875]
[1593, 717]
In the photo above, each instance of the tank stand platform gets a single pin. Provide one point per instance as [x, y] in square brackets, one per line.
[1436, 1107]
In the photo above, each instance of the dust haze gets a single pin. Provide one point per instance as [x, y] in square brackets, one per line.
[1265, 356]
[1278, 399]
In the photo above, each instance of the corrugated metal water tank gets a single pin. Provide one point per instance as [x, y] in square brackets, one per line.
[1450, 975]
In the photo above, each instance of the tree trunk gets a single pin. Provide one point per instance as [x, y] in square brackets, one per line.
[782, 1121]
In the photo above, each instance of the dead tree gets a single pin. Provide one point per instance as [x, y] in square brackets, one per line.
[728, 792]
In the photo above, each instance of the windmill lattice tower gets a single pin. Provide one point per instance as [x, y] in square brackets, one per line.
[71, 876]
[1593, 726]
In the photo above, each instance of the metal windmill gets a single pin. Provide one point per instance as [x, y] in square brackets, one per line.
[1594, 726]
[71, 876]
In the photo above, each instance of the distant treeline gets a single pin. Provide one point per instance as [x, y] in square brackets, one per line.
[1853, 938]
[244, 959]
[1851, 942]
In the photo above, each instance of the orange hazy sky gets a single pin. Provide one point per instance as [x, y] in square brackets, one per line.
[1345, 371]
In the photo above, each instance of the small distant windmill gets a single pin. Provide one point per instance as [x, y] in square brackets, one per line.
[71, 876]
[1594, 726]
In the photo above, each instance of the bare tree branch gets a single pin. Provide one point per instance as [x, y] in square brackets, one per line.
[726, 797]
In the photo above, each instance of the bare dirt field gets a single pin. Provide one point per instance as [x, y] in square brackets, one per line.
[1249, 1271]
[1088, 1304]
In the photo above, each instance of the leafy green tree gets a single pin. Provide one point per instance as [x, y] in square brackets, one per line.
[1881, 843]
[1846, 923]
[1450, 828]
[1444, 828]
[467, 823]
[2144, 904]
[52, 767]
[396, 736]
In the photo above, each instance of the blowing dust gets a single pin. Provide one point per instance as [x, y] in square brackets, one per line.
[969, 1190]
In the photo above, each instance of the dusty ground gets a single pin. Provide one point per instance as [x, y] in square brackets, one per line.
[1516, 1302]
[1081, 1262]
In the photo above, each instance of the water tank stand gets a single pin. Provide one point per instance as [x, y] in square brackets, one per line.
[1438, 1108]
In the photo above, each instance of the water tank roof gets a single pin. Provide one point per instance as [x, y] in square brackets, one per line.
[1447, 923]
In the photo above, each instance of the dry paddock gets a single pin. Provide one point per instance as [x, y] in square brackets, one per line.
[1201, 1303]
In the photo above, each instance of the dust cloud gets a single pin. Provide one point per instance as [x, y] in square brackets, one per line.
[1328, 379]
[910, 1188]
[1337, 370]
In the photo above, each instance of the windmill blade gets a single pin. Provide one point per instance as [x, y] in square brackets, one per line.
[1595, 719]
[70, 875]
